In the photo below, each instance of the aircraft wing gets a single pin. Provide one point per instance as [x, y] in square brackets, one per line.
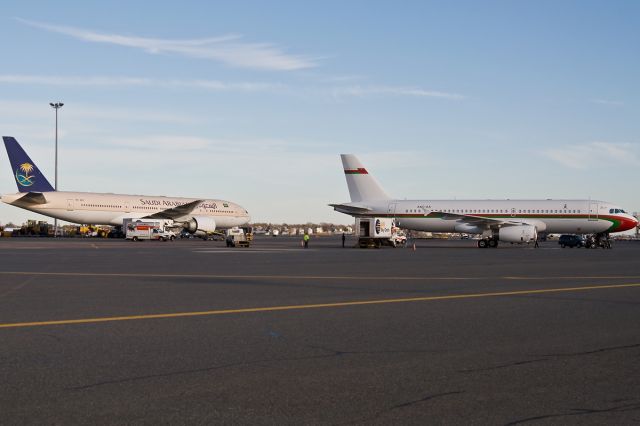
[351, 209]
[31, 198]
[489, 222]
[175, 212]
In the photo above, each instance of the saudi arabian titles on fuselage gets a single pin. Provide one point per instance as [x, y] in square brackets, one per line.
[496, 220]
[37, 195]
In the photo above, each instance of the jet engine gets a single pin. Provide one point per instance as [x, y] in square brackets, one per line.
[200, 223]
[518, 234]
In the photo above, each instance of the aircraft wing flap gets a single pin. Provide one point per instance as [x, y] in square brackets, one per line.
[175, 212]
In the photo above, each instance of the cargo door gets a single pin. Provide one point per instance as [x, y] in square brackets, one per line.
[365, 226]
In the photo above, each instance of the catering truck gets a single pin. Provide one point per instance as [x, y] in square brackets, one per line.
[378, 231]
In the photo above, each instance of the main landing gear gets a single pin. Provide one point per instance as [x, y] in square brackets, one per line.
[598, 240]
[488, 242]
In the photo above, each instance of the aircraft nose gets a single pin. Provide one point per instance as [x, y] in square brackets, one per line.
[627, 223]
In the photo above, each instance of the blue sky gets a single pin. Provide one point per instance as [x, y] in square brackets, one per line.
[253, 101]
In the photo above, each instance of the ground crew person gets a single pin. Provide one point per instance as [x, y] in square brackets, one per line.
[343, 238]
[306, 240]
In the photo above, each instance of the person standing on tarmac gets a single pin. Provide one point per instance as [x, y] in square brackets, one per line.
[344, 237]
[306, 240]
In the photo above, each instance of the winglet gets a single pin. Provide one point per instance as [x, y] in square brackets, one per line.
[27, 175]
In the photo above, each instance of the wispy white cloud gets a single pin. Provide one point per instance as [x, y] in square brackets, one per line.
[169, 144]
[222, 86]
[15, 111]
[107, 81]
[227, 49]
[607, 102]
[363, 91]
[596, 154]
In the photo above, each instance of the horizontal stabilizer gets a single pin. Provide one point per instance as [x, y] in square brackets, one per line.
[351, 209]
[31, 198]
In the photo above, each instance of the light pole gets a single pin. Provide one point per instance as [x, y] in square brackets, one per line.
[56, 106]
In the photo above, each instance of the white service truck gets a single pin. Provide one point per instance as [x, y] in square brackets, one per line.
[145, 229]
[378, 231]
[239, 236]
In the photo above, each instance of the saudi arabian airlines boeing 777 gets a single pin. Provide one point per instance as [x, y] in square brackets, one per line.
[197, 216]
[515, 221]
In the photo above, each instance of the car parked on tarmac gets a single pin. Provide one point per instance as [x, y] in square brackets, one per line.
[571, 241]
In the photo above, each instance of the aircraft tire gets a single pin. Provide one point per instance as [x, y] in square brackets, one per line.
[482, 243]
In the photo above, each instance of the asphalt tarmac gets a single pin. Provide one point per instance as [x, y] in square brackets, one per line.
[191, 332]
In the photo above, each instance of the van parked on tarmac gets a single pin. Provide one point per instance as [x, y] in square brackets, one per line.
[571, 241]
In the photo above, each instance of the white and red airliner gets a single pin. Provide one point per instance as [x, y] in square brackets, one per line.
[514, 221]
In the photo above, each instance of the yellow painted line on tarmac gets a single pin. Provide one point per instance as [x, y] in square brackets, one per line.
[314, 306]
[312, 277]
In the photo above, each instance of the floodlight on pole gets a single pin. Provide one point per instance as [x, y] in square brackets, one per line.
[56, 106]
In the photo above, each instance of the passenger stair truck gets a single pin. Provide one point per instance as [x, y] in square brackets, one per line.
[374, 231]
[239, 236]
[147, 230]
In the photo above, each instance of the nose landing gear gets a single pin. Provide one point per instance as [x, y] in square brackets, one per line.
[598, 240]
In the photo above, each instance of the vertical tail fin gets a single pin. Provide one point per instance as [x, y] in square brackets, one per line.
[362, 186]
[27, 175]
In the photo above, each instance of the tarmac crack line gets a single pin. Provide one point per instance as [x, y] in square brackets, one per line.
[550, 357]
[314, 306]
[578, 412]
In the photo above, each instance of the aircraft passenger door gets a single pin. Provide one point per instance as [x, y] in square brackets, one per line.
[392, 209]
[127, 206]
[70, 204]
[593, 210]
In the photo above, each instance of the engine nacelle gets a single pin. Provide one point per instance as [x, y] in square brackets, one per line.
[200, 223]
[518, 234]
